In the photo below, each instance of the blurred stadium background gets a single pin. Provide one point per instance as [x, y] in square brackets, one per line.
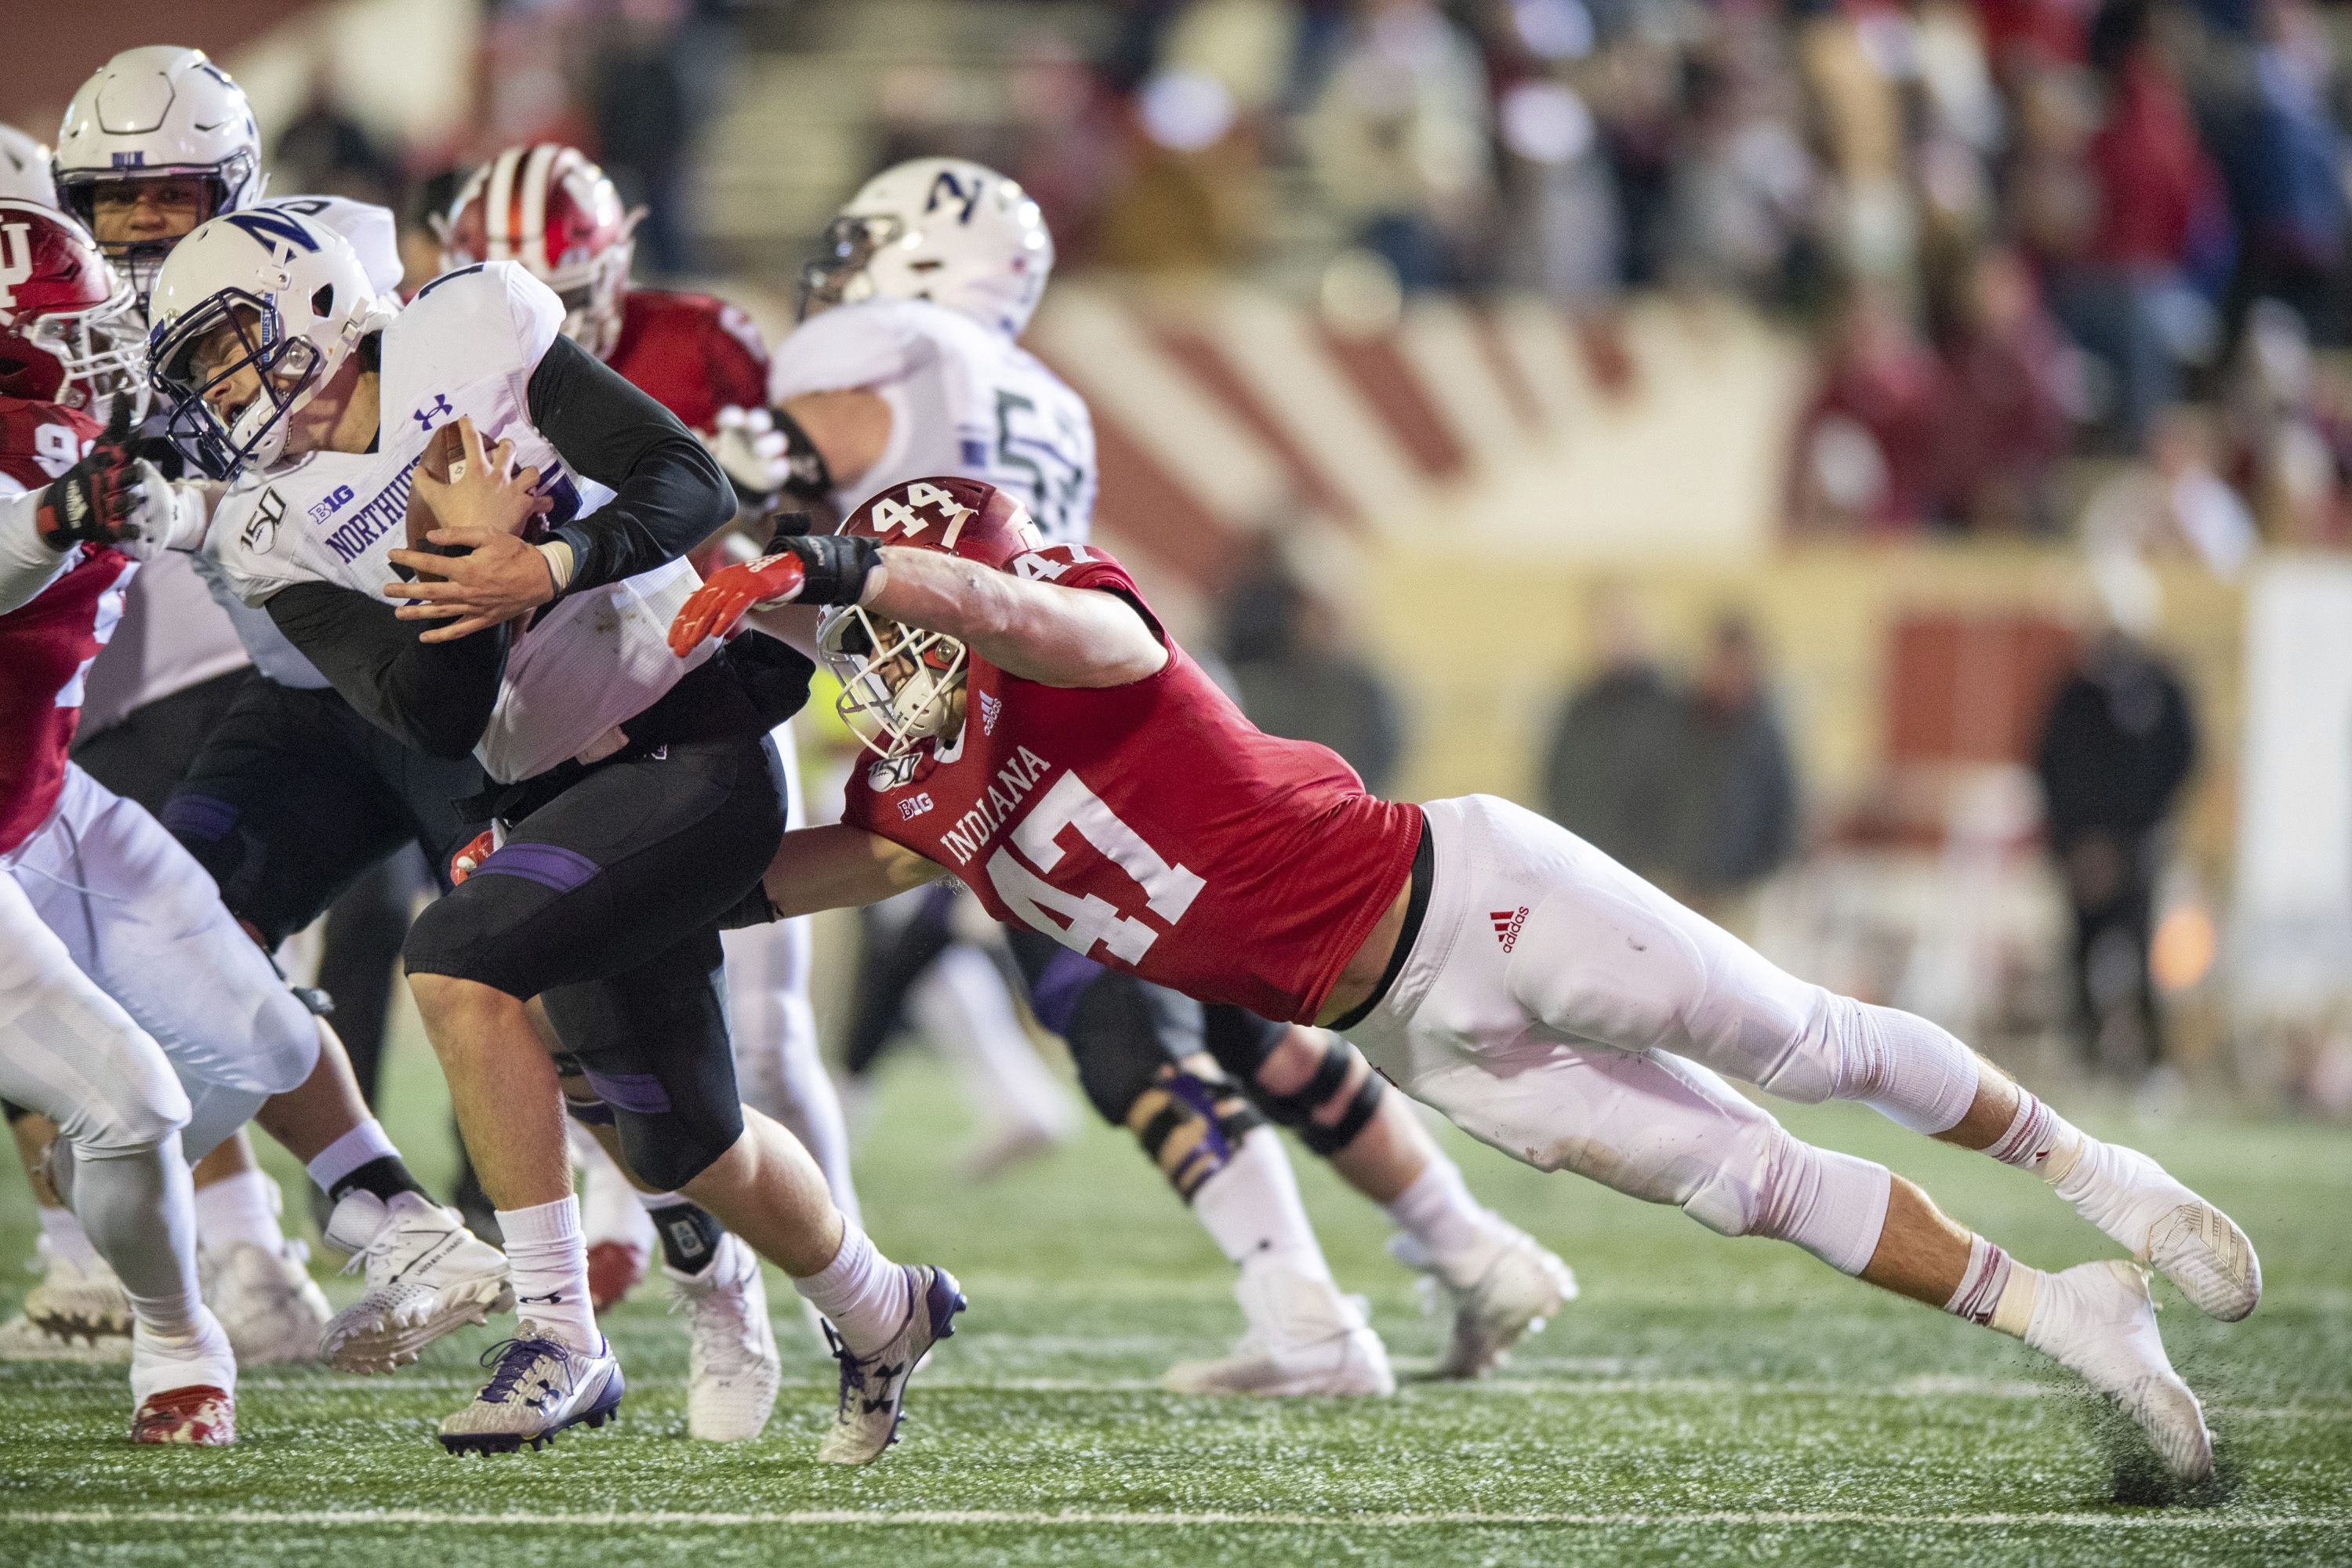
[1816, 392]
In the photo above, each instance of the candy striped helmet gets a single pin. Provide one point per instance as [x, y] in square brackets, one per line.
[549, 208]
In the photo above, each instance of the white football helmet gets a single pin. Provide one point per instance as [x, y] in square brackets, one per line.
[24, 169]
[943, 229]
[157, 112]
[264, 290]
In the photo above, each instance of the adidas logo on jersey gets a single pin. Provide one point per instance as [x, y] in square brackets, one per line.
[1508, 924]
[990, 708]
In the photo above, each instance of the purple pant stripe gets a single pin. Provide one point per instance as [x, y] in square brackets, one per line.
[200, 817]
[549, 865]
[639, 1093]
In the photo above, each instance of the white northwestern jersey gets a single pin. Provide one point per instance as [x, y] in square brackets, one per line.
[467, 346]
[964, 399]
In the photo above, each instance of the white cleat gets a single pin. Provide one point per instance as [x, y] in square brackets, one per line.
[268, 1302]
[732, 1367]
[427, 1275]
[74, 1302]
[874, 1386]
[2188, 1241]
[1304, 1341]
[1493, 1300]
[2099, 1321]
[538, 1387]
[23, 1340]
[184, 1387]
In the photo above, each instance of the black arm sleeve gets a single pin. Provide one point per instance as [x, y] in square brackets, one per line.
[433, 697]
[670, 494]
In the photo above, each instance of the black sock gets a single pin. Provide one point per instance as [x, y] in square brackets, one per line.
[689, 1237]
[385, 1176]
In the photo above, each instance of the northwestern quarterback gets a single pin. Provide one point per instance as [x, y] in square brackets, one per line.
[908, 362]
[1039, 736]
[379, 454]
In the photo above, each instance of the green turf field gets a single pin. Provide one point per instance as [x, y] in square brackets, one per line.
[1705, 1401]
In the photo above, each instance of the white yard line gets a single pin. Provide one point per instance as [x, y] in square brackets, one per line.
[1926, 1387]
[2175, 1518]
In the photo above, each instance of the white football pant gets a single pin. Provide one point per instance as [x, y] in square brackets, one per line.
[779, 1069]
[1563, 1010]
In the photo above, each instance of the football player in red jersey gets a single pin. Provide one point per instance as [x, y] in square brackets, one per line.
[1040, 736]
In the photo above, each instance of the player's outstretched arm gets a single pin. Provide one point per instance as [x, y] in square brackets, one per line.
[838, 866]
[1036, 630]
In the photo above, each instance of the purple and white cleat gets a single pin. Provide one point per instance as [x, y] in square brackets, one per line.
[538, 1387]
[874, 1386]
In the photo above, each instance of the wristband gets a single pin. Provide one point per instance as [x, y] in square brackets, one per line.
[560, 561]
[837, 565]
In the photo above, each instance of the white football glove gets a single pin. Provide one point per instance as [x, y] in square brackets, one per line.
[751, 449]
[158, 513]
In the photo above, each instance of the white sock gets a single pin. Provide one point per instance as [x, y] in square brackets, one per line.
[547, 1258]
[348, 1153]
[138, 1210]
[862, 1293]
[238, 1209]
[67, 1238]
[2118, 1189]
[1250, 1208]
[1457, 1232]
[1996, 1291]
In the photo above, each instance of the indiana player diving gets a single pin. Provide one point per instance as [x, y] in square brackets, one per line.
[1039, 736]
[376, 455]
[908, 362]
[550, 210]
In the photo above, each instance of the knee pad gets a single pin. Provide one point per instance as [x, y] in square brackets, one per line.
[1831, 1204]
[1124, 1034]
[1297, 1110]
[665, 1144]
[1191, 1125]
[1911, 1071]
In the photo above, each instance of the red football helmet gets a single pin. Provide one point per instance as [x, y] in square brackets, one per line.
[69, 329]
[898, 685]
[549, 208]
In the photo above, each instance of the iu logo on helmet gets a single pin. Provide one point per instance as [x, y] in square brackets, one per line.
[15, 259]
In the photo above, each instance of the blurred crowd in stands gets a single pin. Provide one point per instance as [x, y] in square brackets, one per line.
[2020, 232]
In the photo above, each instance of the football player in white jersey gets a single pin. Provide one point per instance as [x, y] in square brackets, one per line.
[154, 142]
[547, 207]
[377, 455]
[907, 362]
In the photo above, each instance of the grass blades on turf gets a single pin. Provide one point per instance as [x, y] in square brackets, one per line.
[1705, 1400]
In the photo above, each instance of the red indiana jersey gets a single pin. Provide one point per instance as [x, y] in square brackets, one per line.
[1150, 826]
[46, 646]
[691, 353]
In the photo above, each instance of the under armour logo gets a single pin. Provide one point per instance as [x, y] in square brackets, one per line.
[1508, 924]
[441, 407]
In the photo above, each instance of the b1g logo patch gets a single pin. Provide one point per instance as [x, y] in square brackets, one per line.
[913, 806]
[1508, 924]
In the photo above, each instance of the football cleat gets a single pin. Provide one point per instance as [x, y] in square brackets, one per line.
[732, 1367]
[1512, 1291]
[1304, 1341]
[427, 1275]
[268, 1302]
[2197, 1246]
[23, 1340]
[183, 1385]
[76, 1302]
[874, 1386]
[2099, 1321]
[538, 1387]
[197, 1414]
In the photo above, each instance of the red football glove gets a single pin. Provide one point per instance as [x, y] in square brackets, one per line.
[468, 860]
[715, 609]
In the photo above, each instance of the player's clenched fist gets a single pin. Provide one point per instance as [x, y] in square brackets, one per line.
[117, 499]
[806, 569]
